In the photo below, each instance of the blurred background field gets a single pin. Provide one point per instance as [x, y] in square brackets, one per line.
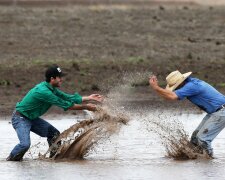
[63, 2]
[96, 42]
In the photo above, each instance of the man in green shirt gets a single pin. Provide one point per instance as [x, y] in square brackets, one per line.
[37, 101]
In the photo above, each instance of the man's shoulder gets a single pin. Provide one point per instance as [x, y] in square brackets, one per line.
[42, 87]
[191, 84]
[194, 81]
[195, 84]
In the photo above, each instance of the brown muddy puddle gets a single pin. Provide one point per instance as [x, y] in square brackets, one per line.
[132, 152]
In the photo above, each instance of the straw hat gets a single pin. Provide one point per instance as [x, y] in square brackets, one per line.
[175, 78]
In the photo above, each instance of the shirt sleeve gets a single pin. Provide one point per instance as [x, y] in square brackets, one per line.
[51, 98]
[75, 98]
[187, 90]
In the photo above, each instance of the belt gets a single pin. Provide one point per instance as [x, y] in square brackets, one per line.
[19, 114]
[221, 107]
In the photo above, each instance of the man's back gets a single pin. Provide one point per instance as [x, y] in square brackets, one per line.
[201, 94]
[31, 105]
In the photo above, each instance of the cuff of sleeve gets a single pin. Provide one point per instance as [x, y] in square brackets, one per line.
[179, 96]
[78, 98]
[66, 108]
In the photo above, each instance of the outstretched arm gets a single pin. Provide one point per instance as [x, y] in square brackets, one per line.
[166, 94]
[90, 107]
[93, 97]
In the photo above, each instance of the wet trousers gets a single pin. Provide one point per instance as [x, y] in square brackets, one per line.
[23, 126]
[208, 129]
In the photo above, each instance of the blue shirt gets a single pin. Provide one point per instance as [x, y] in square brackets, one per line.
[201, 94]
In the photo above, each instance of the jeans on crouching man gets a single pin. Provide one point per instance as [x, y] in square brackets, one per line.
[23, 126]
[208, 129]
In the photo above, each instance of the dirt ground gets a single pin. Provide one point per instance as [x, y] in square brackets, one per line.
[96, 44]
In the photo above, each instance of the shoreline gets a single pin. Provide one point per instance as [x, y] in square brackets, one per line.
[129, 106]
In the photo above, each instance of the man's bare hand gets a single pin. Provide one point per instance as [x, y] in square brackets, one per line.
[96, 97]
[153, 82]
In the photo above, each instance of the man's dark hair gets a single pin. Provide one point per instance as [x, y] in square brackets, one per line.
[53, 71]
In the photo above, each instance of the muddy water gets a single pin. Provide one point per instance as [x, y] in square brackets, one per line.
[134, 153]
[77, 141]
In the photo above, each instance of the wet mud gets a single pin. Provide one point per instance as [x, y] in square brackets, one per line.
[79, 139]
[173, 136]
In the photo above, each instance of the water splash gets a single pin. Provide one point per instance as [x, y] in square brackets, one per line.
[77, 141]
[123, 89]
[173, 135]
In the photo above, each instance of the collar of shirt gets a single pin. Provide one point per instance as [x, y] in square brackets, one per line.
[49, 86]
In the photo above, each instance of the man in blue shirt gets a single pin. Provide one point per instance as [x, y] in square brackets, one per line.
[200, 93]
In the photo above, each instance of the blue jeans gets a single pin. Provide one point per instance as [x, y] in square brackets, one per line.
[208, 129]
[23, 126]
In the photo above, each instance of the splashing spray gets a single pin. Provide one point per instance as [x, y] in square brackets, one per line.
[77, 141]
[173, 135]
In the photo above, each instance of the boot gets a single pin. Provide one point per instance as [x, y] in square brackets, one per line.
[18, 157]
[209, 153]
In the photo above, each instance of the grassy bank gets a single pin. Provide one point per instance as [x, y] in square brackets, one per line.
[96, 45]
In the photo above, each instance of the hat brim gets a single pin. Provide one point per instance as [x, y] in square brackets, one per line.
[172, 88]
[62, 74]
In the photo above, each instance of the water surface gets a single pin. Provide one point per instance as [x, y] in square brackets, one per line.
[134, 153]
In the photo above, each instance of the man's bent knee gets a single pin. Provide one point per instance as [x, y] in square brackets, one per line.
[52, 131]
[53, 134]
[194, 138]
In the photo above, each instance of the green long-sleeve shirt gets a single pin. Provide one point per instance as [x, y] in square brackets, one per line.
[40, 98]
